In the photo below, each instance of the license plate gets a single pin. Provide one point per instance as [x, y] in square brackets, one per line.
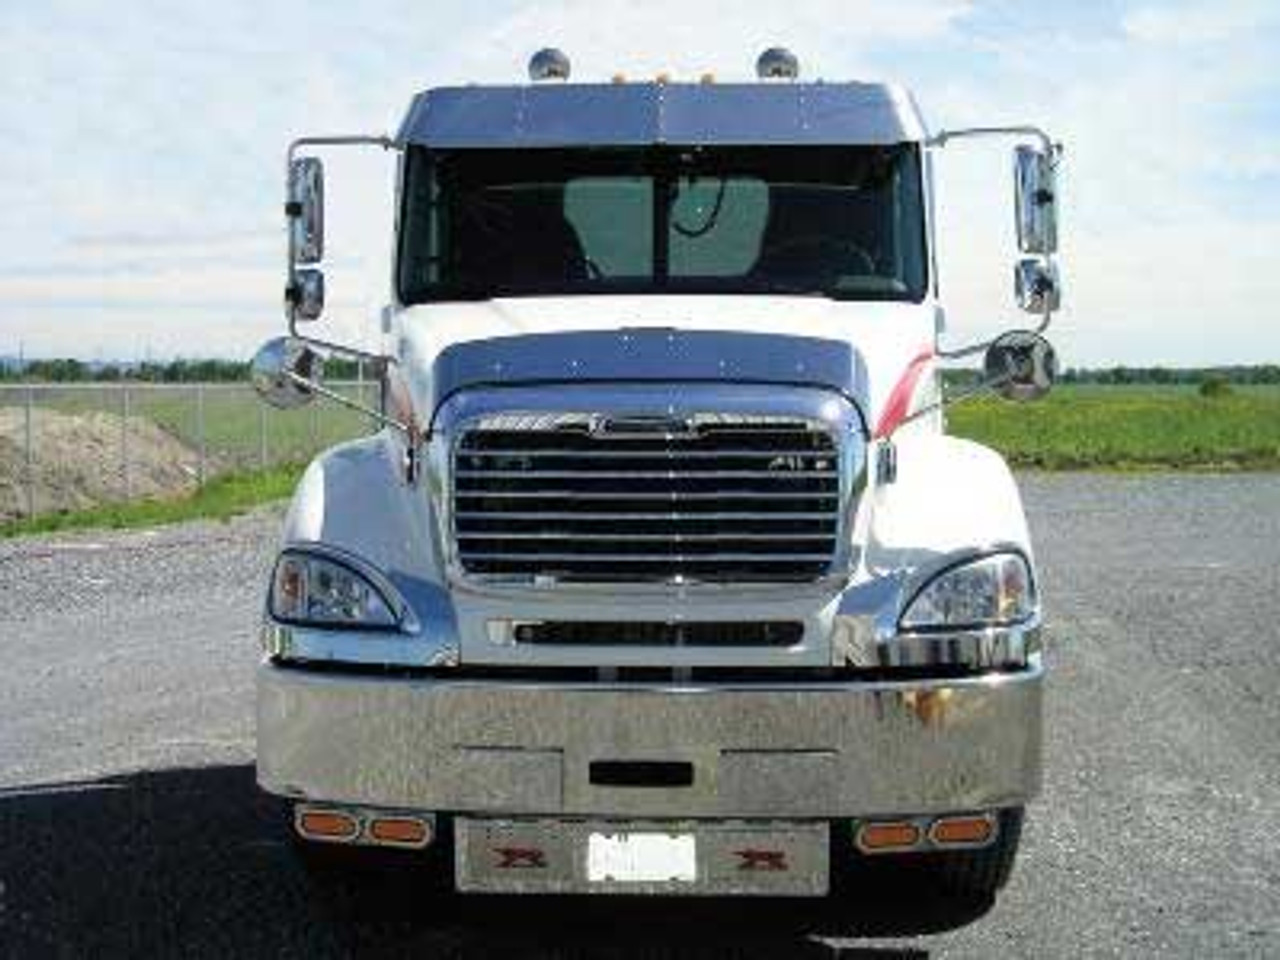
[642, 858]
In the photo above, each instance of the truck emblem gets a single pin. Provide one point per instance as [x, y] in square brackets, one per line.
[642, 426]
[520, 858]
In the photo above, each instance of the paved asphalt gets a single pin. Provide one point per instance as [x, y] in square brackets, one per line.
[128, 822]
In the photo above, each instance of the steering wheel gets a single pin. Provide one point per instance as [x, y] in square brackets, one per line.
[844, 248]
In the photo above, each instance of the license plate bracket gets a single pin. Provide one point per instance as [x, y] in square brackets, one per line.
[715, 858]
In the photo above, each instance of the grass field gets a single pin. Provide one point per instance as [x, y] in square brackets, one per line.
[1130, 427]
[220, 498]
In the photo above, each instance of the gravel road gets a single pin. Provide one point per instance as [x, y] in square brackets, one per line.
[128, 823]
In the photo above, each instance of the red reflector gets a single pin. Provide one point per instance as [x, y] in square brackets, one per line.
[520, 858]
[762, 860]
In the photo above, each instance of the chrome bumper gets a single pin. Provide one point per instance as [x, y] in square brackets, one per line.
[784, 750]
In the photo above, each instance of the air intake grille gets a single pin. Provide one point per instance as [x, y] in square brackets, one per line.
[720, 501]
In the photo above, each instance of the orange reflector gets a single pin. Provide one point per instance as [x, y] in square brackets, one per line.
[400, 830]
[961, 830]
[888, 835]
[328, 824]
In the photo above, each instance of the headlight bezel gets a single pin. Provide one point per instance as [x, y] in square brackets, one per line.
[1026, 610]
[395, 615]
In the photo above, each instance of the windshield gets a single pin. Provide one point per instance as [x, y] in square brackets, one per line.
[841, 222]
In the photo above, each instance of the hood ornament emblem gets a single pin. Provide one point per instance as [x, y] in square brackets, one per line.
[661, 425]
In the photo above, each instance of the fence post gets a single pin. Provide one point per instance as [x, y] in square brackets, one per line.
[314, 423]
[124, 443]
[262, 435]
[201, 475]
[31, 453]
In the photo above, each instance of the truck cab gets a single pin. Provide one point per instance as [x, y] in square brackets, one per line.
[663, 575]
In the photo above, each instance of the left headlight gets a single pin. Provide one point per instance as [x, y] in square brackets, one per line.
[993, 591]
[320, 591]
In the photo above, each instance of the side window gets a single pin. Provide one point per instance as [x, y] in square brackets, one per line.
[613, 217]
[717, 226]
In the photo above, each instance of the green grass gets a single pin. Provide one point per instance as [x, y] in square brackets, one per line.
[223, 497]
[1128, 428]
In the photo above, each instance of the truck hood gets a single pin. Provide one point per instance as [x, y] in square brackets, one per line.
[885, 340]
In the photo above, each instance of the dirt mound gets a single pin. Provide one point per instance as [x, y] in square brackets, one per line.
[78, 461]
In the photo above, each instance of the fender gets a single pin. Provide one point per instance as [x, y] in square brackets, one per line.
[950, 496]
[353, 499]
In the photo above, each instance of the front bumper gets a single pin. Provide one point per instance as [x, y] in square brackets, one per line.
[817, 749]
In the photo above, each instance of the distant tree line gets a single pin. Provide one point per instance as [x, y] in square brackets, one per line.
[229, 371]
[63, 370]
[1123, 376]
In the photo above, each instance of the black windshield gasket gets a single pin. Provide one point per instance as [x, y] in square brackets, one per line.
[665, 166]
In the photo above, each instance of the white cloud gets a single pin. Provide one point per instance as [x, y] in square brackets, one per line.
[1198, 23]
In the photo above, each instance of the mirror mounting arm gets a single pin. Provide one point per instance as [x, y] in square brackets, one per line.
[1051, 147]
[294, 210]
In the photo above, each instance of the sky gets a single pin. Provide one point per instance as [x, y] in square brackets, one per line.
[142, 151]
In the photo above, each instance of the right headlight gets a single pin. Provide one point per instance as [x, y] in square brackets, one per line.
[989, 592]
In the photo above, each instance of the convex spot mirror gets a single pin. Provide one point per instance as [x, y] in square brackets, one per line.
[1020, 365]
[305, 209]
[1035, 200]
[284, 371]
[305, 295]
[1036, 286]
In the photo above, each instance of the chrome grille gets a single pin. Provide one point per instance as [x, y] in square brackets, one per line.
[724, 500]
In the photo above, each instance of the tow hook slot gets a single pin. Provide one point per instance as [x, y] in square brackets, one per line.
[641, 773]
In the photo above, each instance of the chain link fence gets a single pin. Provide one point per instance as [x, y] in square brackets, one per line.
[74, 446]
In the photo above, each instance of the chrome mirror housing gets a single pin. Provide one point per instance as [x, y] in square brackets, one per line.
[305, 296]
[1020, 365]
[305, 210]
[286, 372]
[1035, 200]
[1036, 286]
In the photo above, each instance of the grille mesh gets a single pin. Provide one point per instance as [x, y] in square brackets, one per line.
[724, 502]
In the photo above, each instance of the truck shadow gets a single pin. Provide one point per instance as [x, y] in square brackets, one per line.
[188, 861]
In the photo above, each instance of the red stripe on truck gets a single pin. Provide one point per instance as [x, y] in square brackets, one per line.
[898, 405]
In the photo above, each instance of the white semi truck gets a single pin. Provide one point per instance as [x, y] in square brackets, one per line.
[663, 575]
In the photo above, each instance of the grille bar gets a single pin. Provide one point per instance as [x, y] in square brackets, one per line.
[749, 500]
[762, 633]
[641, 474]
[633, 515]
[639, 454]
[674, 496]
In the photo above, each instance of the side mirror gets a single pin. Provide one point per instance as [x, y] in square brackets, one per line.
[1020, 365]
[1036, 286]
[305, 210]
[286, 373]
[305, 297]
[1035, 200]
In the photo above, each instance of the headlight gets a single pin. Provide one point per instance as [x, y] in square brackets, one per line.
[993, 591]
[315, 590]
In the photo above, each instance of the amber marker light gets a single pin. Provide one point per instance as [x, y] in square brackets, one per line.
[961, 830]
[888, 835]
[401, 831]
[327, 825]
